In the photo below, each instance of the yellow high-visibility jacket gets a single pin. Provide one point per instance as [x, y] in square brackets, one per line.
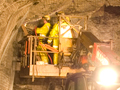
[55, 31]
[44, 29]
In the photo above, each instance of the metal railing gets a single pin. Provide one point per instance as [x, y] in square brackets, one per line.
[34, 40]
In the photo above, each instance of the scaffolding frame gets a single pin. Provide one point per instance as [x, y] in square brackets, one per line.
[33, 44]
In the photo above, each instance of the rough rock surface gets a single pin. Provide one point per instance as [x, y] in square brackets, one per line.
[103, 22]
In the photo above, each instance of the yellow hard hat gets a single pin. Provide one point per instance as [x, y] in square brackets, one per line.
[68, 19]
[60, 13]
[46, 17]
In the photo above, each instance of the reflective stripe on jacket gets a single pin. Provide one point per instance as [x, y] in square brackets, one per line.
[55, 31]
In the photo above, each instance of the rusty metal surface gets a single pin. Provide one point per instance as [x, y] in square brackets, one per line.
[103, 52]
[25, 30]
[111, 55]
[88, 39]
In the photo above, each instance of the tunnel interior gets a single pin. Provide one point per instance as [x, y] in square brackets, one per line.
[103, 22]
[111, 14]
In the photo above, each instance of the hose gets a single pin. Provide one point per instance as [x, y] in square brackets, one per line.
[26, 48]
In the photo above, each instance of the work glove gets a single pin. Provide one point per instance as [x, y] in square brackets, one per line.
[44, 40]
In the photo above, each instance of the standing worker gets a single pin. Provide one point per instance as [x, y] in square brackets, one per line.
[55, 33]
[43, 31]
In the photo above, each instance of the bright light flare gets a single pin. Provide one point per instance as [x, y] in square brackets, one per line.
[118, 88]
[107, 77]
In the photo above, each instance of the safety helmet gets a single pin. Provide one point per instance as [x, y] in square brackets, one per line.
[60, 13]
[46, 17]
[68, 19]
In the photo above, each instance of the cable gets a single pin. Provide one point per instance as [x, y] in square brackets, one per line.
[26, 48]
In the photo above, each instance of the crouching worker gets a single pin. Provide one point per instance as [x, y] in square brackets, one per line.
[43, 31]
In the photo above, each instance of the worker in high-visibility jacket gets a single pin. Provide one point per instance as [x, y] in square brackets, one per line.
[55, 33]
[43, 31]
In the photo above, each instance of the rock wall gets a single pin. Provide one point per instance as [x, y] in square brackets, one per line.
[12, 16]
[106, 27]
[14, 13]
